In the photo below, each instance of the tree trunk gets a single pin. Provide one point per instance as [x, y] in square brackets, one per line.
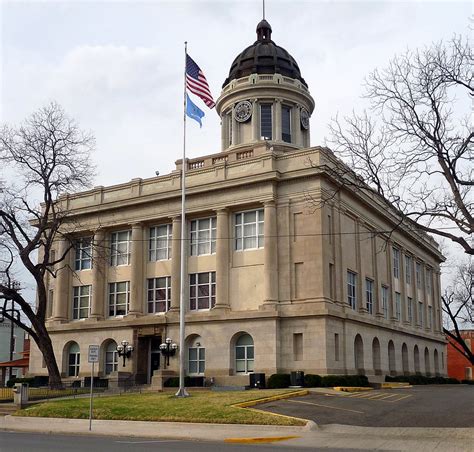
[46, 347]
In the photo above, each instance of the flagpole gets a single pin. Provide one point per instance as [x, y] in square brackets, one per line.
[182, 306]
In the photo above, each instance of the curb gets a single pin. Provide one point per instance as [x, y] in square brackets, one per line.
[271, 439]
[352, 388]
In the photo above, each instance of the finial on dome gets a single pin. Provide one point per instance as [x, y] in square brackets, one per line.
[264, 31]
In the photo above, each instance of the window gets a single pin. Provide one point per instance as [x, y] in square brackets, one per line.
[120, 248]
[396, 263]
[74, 360]
[202, 291]
[286, 123]
[351, 289]
[369, 294]
[420, 313]
[83, 260]
[430, 317]
[410, 309]
[418, 275]
[428, 275]
[244, 354]
[160, 243]
[398, 306]
[408, 269]
[81, 302]
[196, 360]
[266, 121]
[111, 358]
[331, 281]
[385, 301]
[203, 236]
[119, 298]
[298, 346]
[249, 230]
[159, 294]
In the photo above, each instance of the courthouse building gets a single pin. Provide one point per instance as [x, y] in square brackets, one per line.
[285, 269]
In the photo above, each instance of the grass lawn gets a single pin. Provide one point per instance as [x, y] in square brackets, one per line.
[202, 406]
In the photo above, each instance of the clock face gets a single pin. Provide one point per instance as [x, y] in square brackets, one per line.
[304, 118]
[243, 111]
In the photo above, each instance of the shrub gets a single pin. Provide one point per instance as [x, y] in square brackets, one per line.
[12, 381]
[277, 381]
[467, 382]
[344, 380]
[421, 380]
[312, 381]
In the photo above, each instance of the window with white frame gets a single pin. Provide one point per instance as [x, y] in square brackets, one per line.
[410, 309]
[286, 123]
[160, 242]
[249, 230]
[244, 354]
[418, 275]
[120, 248]
[202, 291]
[81, 302]
[203, 236]
[369, 295]
[408, 269]
[83, 257]
[196, 360]
[111, 358]
[119, 298]
[420, 313]
[352, 289]
[74, 360]
[398, 306]
[159, 294]
[385, 301]
[428, 276]
[396, 263]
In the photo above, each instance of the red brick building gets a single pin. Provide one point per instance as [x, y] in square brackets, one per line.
[458, 366]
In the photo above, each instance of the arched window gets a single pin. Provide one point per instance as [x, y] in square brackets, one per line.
[405, 365]
[359, 354]
[74, 360]
[416, 357]
[391, 358]
[111, 358]
[436, 362]
[244, 354]
[196, 357]
[427, 362]
[376, 356]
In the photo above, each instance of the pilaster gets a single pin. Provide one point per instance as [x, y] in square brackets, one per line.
[176, 264]
[136, 262]
[61, 294]
[222, 259]
[98, 275]
[270, 253]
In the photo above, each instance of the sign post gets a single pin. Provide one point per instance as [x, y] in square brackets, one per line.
[92, 357]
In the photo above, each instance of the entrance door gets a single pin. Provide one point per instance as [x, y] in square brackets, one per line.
[155, 354]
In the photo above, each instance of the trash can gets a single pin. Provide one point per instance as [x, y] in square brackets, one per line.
[20, 394]
[257, 380]
[297, 379]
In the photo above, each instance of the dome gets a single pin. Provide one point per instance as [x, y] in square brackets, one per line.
[264, 57]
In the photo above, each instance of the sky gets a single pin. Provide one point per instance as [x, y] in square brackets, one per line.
[117, 66]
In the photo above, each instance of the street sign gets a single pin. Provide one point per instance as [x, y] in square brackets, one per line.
[93, 356]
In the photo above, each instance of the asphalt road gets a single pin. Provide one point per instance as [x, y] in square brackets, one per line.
[419, 406]
[28, 442]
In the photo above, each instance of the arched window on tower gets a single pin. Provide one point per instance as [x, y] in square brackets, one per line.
[266, 121]
[286, 123]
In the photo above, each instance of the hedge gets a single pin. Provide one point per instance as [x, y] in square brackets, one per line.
[12, 381]
[421, 380]
[277, 381]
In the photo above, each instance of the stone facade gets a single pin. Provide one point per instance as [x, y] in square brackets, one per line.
[284, 270]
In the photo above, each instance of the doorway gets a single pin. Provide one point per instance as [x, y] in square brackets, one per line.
[155, 355]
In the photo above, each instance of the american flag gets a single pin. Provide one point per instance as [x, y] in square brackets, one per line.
[196, 82]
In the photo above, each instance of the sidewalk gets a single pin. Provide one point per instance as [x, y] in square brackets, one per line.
[311, 436]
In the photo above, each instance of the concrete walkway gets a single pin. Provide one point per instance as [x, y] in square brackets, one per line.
[311, 436]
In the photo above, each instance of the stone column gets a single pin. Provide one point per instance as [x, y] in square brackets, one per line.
[277, 120]
[235, 130]
[224, 132]
[391, 294]
[136, 276]
[296, 132]
[222, 259]
[176, 264]
[62, 289]
[98, 275]
[255, 121]
[270, 253]
[361, 304]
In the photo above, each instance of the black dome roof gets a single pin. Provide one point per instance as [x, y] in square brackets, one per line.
[264, 57]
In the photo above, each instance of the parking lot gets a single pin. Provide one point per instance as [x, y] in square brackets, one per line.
[418, 406]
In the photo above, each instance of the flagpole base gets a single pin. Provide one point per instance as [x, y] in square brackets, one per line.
[182, 393]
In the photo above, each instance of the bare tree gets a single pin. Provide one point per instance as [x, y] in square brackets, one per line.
[413, 147]
[45, 157]
[458, 305]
